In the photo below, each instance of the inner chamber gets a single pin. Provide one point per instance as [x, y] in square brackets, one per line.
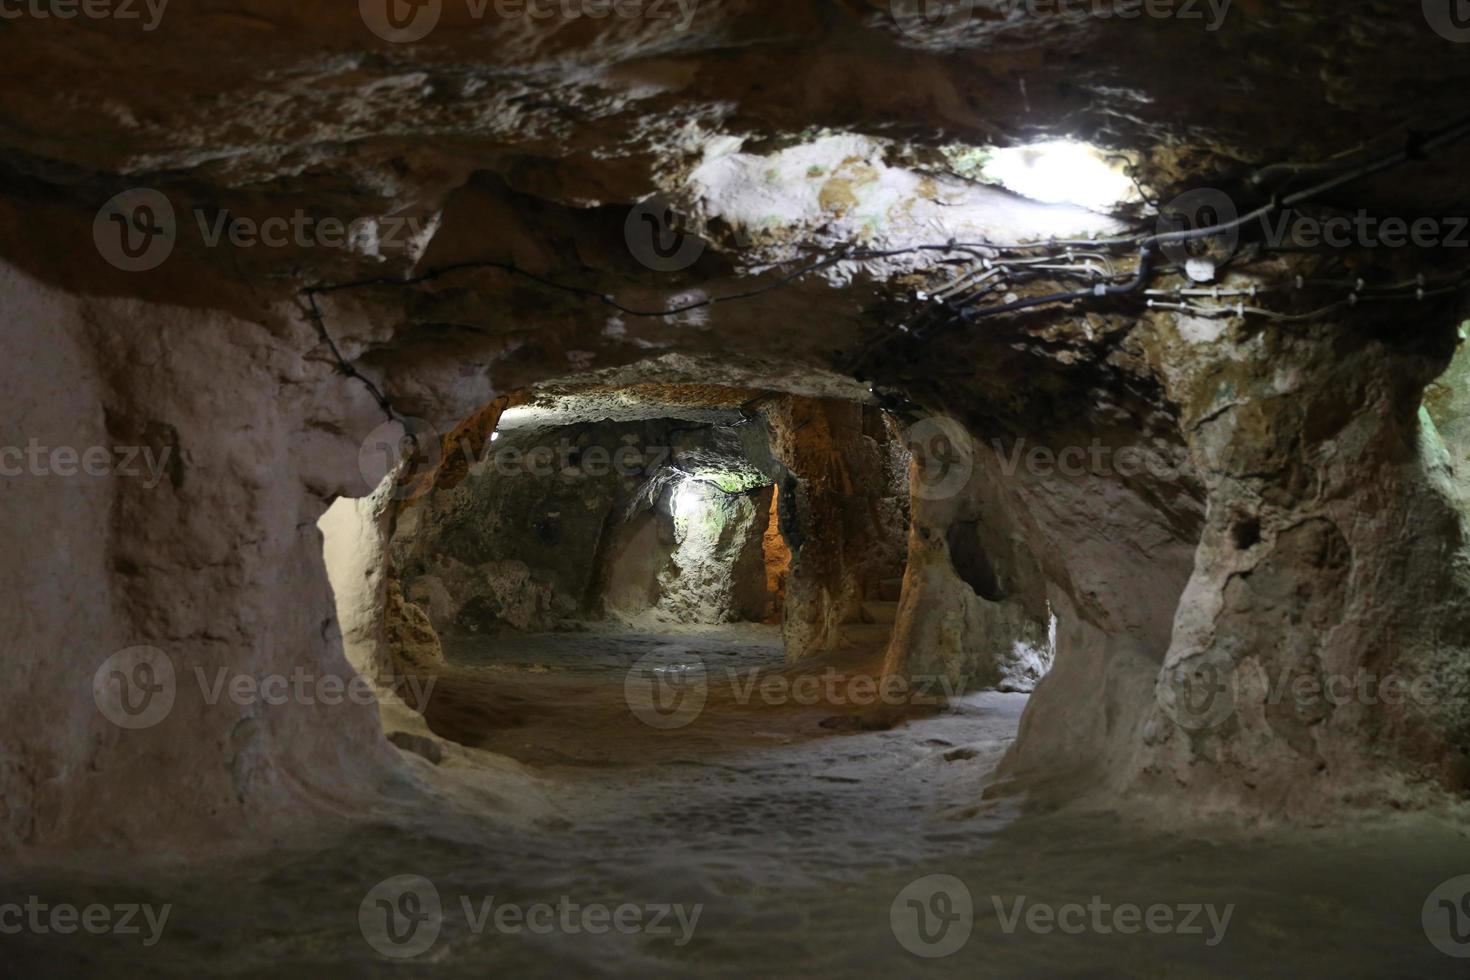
[577, 570]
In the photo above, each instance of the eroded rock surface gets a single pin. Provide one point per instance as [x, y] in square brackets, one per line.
[1301, 522]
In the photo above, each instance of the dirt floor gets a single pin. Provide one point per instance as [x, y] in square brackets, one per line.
[805, 835]
[563, 699]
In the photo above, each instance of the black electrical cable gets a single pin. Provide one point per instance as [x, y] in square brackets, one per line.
[1416, 147]
[861, 255]
[343, 365]
[1145, 270]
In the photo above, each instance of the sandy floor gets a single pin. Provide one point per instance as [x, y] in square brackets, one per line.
[795, 835]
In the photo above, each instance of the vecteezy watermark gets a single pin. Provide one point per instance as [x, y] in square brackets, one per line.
[406, 21]
[1094, 459]
[925, 18]
[1449, 18]
[302, 230]
[932, 916]
[1200, 693]
[65, 919]
[401, 917]
[411, 448]
[944, 457]
[408, 448]
[1206, 920]
[1196, 211]
[90, 9]
[136, 688]
[672, 695]
[1364, 230]
[656, 236]
[1446, 917]
[664, 695]
[570, 460]
[137, 230]
[35, 459]
[838, 689]
[1201, 229]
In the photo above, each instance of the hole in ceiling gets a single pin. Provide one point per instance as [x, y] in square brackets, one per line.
[1063, 172]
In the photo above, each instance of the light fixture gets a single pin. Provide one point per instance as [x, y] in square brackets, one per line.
[686, 498]
[1061, 172]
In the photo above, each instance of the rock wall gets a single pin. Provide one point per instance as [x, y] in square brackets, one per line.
[559, 525]
[1308, 527]
[843, 511]
[690, 532]
[193, 537]
[1319, 647]
[639, 552]
[776, 554]
[974, 608]
[355, 532]
[1115, 550]
[1258, 603]
[717, 570]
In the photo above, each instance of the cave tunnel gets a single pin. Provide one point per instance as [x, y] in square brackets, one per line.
[726, 488]
[574, 553]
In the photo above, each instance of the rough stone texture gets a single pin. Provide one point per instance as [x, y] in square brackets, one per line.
[212, 557]
[409, 635]
[973, 610]
[639, 550]
[1295, 520]
[536, 534]
[1309, 526]
[555, 526]
[314, 102]
[844, 516]
[1447, 406]
[1333, 550]
[354, 537]
[717, 572]
[777, 556]
[517, 543]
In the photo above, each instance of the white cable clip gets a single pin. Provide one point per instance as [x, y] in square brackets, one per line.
[1359, 287]
[1300, 282]
[1352, 299]
[1239, 308]
[1100, 290]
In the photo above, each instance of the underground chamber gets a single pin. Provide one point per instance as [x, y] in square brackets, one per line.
[733, 490]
